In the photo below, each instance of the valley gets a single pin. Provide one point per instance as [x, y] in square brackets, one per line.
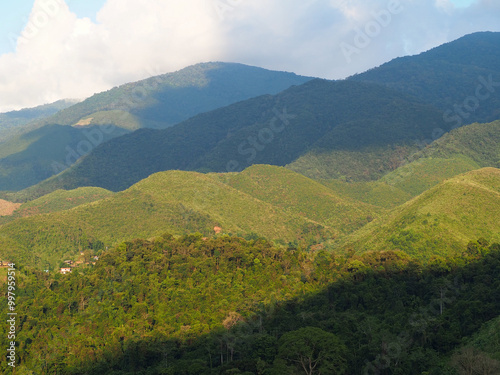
[236, 220]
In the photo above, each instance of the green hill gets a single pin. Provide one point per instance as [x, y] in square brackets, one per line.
[462, 150]
[175, 201]
[448, 77]
[61, 200]
[441, 221]
[300, 195]
[465, 149]
[365, 164]
[375, 193]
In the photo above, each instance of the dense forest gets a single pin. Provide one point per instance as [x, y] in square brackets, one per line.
[197, 305]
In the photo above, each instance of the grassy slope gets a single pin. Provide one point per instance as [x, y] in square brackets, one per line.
[369, 163]
[375, 193]
[462, 150]
[174, 201]
[441, 220]
[61, 200]
[300, 195]
[471, 147]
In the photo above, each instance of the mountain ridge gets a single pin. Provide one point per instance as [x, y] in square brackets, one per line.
[262, 130]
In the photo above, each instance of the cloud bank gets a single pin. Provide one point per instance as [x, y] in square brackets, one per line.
[60, 56]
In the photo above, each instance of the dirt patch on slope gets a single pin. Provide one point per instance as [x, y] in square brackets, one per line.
[7, 208]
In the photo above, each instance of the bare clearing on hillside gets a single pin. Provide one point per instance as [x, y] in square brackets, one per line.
[7, 208]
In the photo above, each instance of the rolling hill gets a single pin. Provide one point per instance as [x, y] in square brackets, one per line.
[441, 221]
[180, 202]
[462, 150]
[59, 200]
[465, 149]
[300, 195]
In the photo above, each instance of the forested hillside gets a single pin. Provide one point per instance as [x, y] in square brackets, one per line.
[321, 115]
[441, 220]
[264, 201]
[16, 122]
[462, 78]
[205, 306]
[164, 100]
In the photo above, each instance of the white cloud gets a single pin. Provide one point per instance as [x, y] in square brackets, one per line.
[310, 41]
[61, 56]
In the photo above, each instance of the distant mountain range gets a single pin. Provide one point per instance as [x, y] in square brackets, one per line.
[17, 122]
[350, 130]
[165, 100]
[461, 78]
[47, 146]
[319, 115]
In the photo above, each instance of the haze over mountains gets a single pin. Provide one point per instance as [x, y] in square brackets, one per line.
[16, 122]
[224, 212]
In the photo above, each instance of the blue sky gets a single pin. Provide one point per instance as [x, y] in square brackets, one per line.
[463, 3]
[52, 49]
[17, 13]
